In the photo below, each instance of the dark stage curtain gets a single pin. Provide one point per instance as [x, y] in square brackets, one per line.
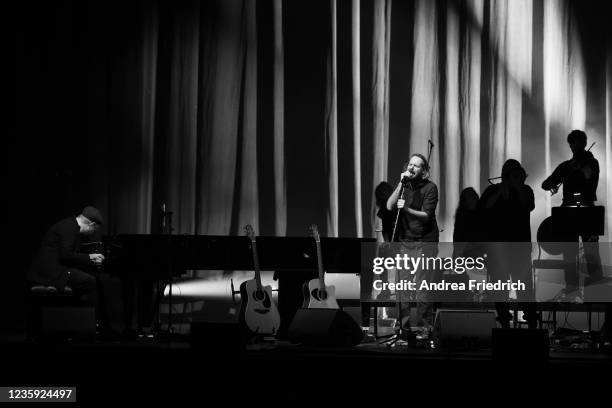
[281, 115]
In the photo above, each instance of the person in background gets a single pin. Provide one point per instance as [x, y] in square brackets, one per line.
[506, 209]
[467, 235]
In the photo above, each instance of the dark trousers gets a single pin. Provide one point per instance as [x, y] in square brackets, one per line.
[422, 299]
[512, 260]
[592, 257]
[84, 286]
[87, 287]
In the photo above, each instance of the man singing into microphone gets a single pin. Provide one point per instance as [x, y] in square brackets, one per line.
[417, 220]
[416, 227]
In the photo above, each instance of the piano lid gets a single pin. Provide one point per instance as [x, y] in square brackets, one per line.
[211, 252]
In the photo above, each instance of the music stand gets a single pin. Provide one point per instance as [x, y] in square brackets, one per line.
[579, 220]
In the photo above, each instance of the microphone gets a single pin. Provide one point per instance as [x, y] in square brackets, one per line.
[406, 179]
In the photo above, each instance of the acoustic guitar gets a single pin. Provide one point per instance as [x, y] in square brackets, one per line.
[316, 294]
[258, 311]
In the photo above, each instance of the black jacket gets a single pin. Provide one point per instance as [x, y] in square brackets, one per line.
[57, 254]
[507, 220]
[578, 175]
[388, 222]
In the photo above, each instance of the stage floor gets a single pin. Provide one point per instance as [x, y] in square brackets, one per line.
[170, 369]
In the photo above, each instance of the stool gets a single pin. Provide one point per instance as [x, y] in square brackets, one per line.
[54, 314]
[539, 263]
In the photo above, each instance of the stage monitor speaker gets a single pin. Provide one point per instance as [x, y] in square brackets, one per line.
[464, 328]
[324, 327]
[526, 345]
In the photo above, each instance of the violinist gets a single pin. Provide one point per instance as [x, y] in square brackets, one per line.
[579, 177]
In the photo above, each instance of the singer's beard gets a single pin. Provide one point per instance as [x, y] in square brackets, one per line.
[415, 179]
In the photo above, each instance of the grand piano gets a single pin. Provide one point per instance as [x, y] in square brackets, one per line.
[160, 258]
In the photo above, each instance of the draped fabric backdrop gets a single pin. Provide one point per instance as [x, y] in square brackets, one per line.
[282, 114]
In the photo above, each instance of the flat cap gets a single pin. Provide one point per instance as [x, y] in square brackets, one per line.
[93, 214]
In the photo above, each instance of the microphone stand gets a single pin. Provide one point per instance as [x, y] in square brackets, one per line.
[401, 194]
[399, 197]
[166, 228]
[393, 339]
[170, 269]
[430, 147]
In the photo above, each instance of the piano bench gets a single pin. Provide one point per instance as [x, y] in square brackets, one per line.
[43, 290]
[58, 315]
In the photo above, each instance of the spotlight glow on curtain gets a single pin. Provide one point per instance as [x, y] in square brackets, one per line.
[280, 187]
[356, 76]
[181, 154]
[132, 211]
[609, 136]
[331, 121]
[425, 83]
[471, 65]
[380, 91]
[380, 44]
[249, 200]
[470, 85]
[220, 141]
[564, 85]
[511, 44]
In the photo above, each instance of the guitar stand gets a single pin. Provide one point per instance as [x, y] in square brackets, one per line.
[256, 341]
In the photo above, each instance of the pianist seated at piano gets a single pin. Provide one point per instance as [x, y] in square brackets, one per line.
[58, 262]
